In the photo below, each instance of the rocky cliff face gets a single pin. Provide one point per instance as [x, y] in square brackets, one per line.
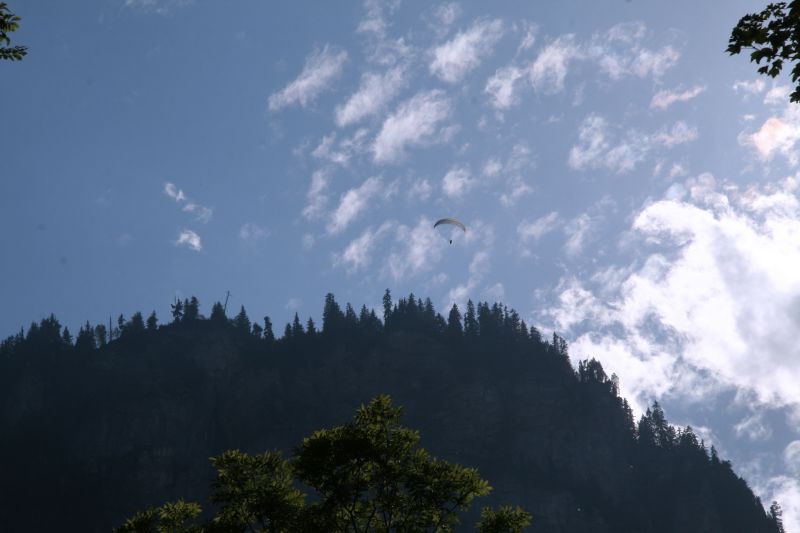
[92, 437]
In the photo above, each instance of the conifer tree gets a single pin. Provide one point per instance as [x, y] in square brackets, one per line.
[67, 337]
[242, 322]
[454, 323]
[177, 311]
[332, 316]
[152, 322]
[297, 327]
[191, 310]
[257, 330]
[470, 321]
[136, 325]
[311, 329]
[100, 334]
[218, 314]
[776, 514]
[387, 306]
[269, 335]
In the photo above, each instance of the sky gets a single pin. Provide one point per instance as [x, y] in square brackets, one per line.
[624, 182]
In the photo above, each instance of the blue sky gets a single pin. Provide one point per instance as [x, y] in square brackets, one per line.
[624, 181]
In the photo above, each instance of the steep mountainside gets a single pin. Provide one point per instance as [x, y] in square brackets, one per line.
[95, 430]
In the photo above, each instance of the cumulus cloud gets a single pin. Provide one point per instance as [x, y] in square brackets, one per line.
[778, 95]
[420, 190]
[598, 146]
[374, 92]
[620, 53]
[189, 239]
[777, 135]
[353, 203]
[664, 99]
[753, 428]
[453, 59]
[321, 68]
[720, 283]
[414, 123]
[357, 254]
[457, 182]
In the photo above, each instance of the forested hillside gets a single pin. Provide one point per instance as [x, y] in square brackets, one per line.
[99, 426]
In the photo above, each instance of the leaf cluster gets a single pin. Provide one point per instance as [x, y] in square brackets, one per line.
[773, 35]
[9, 22]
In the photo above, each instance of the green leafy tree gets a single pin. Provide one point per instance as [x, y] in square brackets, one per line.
[773, 36]
[255, 493]
[507, 519]
[371, 475]
[172, 517]
[9, 22]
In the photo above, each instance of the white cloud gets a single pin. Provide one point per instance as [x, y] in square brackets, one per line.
[375, 19]
[503, 87]
[357, 254]
[679, 133]
[777, 135]
[664, 99]
[420, 190]
[251, 232]
[492, 168]
[320, 69]
[478, 268]
[418, 250]
[162, 7]
[494, 293]
[353, 203]
[597, 147]
[200, 212]
[723, 283]
[189, 239]
[518, 188]
[446, 14]
[308, 241]
[453, 59]
[536, 229]
[457, 182]
[753, 427]
[316, 198]
[414, 123]
[550, 67]
[577, 230]
[791, 457]
[749, 87]
[294, 304]
[375, 91]
[173, 192]
[778, 95]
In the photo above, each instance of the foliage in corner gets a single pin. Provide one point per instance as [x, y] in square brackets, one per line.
[9, 22]
[773, 35]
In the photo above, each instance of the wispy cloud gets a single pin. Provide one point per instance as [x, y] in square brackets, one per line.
[418, 249]
[316, 197]
[374, 93]
[189, 239]
[536, 229]
[161, 7]
[353, 203]
[414, 123]
[664, 99]
[549, 70]
[749, 87]
[598, 146]
[357, 254]
[453, 59]
[503, 87]
[321, 68]
[201, 213]
[252, 232]
[478, 268]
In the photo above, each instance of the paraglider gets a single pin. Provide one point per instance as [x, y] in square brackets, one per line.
[452, 222]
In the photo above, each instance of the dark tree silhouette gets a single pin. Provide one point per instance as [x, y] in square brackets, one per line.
[773, 35]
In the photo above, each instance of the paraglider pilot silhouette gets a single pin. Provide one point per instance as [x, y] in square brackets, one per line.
[451, 222]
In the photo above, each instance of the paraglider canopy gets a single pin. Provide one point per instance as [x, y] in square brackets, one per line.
[451, 222]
